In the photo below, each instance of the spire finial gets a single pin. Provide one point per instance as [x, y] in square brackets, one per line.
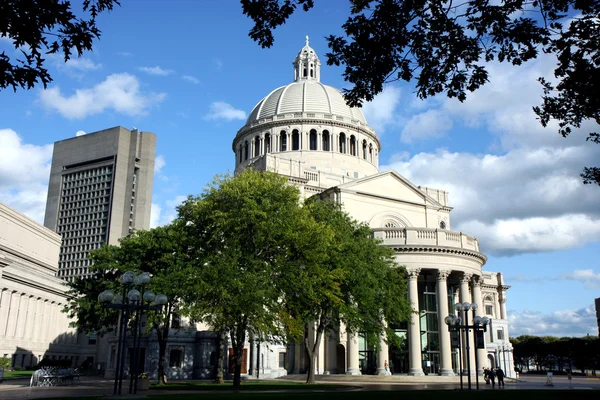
[307, 40]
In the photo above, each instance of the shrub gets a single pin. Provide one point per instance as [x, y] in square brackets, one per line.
[5, 362]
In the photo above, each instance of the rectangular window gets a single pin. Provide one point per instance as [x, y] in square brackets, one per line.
[176, 357]
[282, 360]
[500, 334]
[488, 310]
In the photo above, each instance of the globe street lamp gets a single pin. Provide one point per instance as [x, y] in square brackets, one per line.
[130, 301]
[479, 326]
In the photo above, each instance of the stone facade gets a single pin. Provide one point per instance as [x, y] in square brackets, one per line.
[100, 190]
[32, 326]
[306, 132]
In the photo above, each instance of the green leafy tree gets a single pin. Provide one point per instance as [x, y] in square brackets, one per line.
[158, 251]
[238, 232]
[40, 27]
[347, 277]
[444, 46]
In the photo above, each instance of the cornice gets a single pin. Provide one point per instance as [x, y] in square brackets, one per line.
[420, 249]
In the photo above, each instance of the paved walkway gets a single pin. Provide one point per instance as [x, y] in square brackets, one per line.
[94, 386]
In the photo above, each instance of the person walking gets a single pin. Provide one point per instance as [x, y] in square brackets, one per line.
[492, 375]
[387, 368]
[500, 375]
[486, 375]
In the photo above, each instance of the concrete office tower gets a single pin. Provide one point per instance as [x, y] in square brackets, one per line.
[100, 190]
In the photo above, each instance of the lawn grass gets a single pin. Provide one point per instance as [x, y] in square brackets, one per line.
[391, 395]
[17, 374]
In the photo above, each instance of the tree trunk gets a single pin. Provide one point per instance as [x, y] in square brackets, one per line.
[162, 335]
[313, 351]
[220, 356]
[238, 337]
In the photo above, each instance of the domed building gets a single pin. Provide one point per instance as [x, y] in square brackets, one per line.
[306, 132]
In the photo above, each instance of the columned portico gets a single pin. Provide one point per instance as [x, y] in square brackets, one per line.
[465, 296]
[353, 367]
[442, 300]
[478, 299]
[414, 329]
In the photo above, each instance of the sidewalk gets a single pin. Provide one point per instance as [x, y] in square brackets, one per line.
[95, 386]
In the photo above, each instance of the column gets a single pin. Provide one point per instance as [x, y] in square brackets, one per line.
[382, 355]
[465, 296]
[414, 329]
[22, 316]
[442, 306]
[321, 354]
[15, 303]
[5, 299]
[478, 299]
[353, 367]
[497, 311]
[503, 314]
[30, 317]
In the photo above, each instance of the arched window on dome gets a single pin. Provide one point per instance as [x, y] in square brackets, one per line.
[352, 145]
[267, 143]
[282, 141]
[240, 154]
[342, 143]
[245, 150]
[295, 140]
[364, 149]
[326, 139]
[313, 139]
[257, 146]
[371, 152]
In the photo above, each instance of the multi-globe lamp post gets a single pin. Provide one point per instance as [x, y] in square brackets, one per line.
[128, 302]
[456, 326]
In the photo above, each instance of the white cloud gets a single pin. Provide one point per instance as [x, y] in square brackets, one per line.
[218, 63]
[119, 92]
[222, 110]
[124, 54]
[163, 215]
[192, 79]
[381, 111]
[534, 234]
[430, 124]
[82, 64]
[561, 323]
[524, 200]
[155, 213]
[590, 279]
[159, 163]
[24, 174]
[156, 71]
[80, 133]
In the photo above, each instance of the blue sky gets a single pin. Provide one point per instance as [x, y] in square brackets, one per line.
[190, 73]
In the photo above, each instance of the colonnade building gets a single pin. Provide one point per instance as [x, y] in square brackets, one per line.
[306, 132]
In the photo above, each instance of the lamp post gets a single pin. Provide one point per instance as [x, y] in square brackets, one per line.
[130, 301]
[479, 326]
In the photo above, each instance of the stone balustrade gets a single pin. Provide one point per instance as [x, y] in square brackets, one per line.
[426, 237]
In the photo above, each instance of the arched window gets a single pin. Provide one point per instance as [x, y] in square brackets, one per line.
[364, 150]
[283, 141]
[240, 153]
[267, 143]
[343, 143]
[311, 73]
[245, 150]
[313, 139]
[326, 139]
[371, 152]
[295, 140]
[257, 146]
[352, 145]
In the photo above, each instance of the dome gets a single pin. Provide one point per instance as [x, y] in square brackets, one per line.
[305, 96]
